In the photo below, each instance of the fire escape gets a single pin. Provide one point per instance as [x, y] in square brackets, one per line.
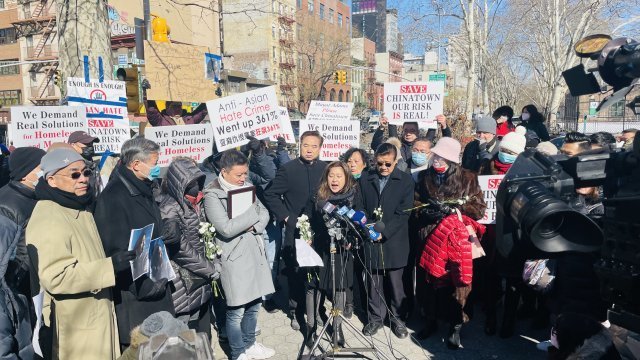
[40, 20]
[370, 84]
[287, 62]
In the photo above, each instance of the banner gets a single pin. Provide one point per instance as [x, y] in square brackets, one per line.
[106, 108]
[329, 110]
[414, 101]
[41, 126]
[194, 141]
[489, 185]
[253, 113]
[286, 129]
[338, 136]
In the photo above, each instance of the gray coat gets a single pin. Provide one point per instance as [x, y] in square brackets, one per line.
[193, 270]
[245, 271]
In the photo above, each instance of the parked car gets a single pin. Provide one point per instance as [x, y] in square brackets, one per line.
[373, 124]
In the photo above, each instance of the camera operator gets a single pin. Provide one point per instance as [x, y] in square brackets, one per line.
[339, 188]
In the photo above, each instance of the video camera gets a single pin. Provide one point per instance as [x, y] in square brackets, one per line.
[535, 213]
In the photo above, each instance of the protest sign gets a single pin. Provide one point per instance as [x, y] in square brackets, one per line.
[106, 108]
[173, 70]
[414, 101]
[194, 141]
[286, 129]
[329, 110]
[253, 113]
[489, 185]
[41, 126]
[338, 136]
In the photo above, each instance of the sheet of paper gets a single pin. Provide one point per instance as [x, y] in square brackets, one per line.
[160, 267]
[306, 256]
[139, 241]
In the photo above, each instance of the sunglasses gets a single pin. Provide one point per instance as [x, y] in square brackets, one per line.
[384, 164]
[76, 175]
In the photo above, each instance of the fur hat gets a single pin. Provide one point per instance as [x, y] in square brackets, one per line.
[162, 323]
[448, 148]
[515, 141]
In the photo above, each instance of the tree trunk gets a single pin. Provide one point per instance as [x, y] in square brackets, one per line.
[471, 74]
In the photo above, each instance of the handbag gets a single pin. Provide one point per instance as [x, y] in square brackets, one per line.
[476, 248]
[539, 274]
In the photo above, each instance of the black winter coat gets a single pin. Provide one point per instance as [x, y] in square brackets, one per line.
[378, 138]
[181, 222]
[475, 154]
[538, 127]
[15, 314]
[296, 182]
[127, 203]
[397, 196]
[17, 205]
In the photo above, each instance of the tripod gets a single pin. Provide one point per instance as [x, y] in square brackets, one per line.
[337, 351]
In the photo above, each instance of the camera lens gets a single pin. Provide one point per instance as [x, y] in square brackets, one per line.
[550, 225]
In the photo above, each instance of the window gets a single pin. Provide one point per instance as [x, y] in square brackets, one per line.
[339, 20]
[299, 31]
[9, 70]
[10, 97]
[321, 40]
[274, 6]
[419, 77]
[331, 16]
[310, 6]
[321, 11]
[348, 24]
[8, 35]
[617, 109]
[275, 76]
[274, 54]
[299, 4]
[1, 4]
[273, 31]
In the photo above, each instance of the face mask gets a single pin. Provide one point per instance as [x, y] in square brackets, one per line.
[39, 174]
[439, 169]
[525, 116]
[357, 176]
[501, 119]
[481, 140]
[506, 158]
[418, 158]
[154, 172]
[88, 152]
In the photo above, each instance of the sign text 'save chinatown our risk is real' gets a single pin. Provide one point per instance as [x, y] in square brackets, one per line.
[489, 185]
[41, 126]
[253, 113]
[414, 101]
[194, 141]
[286, 131]
[333, 121]
[106, 107]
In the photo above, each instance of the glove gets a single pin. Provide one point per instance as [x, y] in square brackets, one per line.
[254, 145]
[461, 294]
[282, 143]
[121, 260]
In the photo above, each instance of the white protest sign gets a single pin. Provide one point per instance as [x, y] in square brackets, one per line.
[106, 107]
[414, 101]
[338, 136]
[286, 129]
[329, 110]
[253, 113]
[194, 141]
[489, 185]
[40, 126]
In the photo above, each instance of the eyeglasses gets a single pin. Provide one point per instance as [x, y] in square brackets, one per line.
[76, 175]
[384, 164]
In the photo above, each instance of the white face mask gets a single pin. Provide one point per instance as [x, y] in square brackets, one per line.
[525, 116]
[501, 119]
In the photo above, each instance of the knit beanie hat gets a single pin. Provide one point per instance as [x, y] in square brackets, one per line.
[486, 124]
[58, 159]
[162, 323]
[514, 141]
[23, 160]
[449, 149]
[547, 148]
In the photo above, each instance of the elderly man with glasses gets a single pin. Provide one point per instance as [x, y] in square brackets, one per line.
[76, 276]
[387, 194]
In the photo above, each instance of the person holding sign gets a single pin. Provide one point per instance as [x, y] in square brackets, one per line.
[449, 200]
[245, 273]
[127, 203]
[76, 275]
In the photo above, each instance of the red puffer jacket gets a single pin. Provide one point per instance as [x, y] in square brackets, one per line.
[447, 251]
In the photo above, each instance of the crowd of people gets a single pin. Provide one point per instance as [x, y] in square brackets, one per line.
[66, 220]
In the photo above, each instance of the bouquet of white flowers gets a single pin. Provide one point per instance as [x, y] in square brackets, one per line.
[305, 228]
[208, 236]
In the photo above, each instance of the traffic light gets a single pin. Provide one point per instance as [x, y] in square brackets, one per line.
[336, 77]
[160, 29]
[57, 78]
[130, 77]
[342, 76]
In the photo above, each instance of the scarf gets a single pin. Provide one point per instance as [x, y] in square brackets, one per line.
[65, 199]
[227, 186]
[345, 198]
[501, 167]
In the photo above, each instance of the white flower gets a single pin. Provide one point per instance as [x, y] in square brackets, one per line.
[212, 229]
[202, 231]
[219, 252]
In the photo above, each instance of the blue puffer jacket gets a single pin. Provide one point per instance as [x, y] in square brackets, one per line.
[15, 320]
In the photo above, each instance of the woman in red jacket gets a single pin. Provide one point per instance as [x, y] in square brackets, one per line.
[447, 258]
[505, 125]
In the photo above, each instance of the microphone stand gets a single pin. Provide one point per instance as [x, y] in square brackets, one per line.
[336, 351]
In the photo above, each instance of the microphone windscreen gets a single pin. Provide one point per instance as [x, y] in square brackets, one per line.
[378, 227]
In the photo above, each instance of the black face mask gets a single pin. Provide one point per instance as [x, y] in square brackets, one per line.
[88, 153]
[193, 189]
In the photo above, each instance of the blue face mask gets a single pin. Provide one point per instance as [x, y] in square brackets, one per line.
[419, 158]
[357, 176]
[506, 158]
[154, 173]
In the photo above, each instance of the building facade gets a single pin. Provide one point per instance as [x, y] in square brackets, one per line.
[419, 67]
[388, 67]
[363, 83]
[369, 20]
[11, 89]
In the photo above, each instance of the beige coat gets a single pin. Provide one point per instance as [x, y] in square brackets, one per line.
[65, 248]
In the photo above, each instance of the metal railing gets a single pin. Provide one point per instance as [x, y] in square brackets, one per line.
[50, 90]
